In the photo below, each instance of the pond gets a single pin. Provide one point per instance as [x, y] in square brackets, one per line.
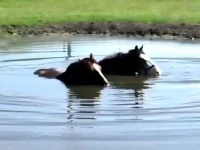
[133, 112]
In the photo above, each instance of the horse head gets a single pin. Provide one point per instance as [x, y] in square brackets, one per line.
[85, 71]
[143, 64]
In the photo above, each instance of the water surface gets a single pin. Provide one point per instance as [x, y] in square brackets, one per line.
[133, 112]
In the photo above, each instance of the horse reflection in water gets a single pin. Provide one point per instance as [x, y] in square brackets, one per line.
[137, 84]
[84, 101]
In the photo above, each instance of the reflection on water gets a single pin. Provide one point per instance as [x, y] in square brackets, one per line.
[87, 98]
[85, 92]
[131, 111]
[137, 84]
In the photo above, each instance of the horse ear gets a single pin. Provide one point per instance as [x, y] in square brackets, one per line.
[79, 59]
[91, 56]
[136, 47]
[141, 47]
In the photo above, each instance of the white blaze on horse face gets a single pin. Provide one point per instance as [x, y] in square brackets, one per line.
[98, 69]
[152, 71]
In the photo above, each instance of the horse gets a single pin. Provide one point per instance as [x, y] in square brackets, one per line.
[132, 63]
[85, 71]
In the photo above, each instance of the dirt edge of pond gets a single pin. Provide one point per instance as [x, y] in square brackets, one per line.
[181, 31]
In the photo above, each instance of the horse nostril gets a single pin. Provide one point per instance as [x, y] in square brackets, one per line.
[157, 73]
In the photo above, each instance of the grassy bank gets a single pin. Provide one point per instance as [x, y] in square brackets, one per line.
[55, 11]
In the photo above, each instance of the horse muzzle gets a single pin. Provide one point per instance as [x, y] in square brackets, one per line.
[151, 71]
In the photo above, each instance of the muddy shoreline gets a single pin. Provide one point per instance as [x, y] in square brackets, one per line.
[182, 31]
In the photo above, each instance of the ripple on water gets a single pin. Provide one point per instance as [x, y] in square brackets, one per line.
[38, 108]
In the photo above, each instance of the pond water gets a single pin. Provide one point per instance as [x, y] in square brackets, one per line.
[133, 112]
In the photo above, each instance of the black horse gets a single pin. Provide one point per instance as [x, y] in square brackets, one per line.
[134, 62]
[83, 72]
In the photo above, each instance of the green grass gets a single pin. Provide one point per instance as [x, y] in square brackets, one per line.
[58, 11]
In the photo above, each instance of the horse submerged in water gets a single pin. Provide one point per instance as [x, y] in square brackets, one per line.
[134, 62]
[85, 71]
[90, 72]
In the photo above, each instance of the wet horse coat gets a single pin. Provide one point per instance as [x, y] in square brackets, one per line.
[83, 72]
[134, 62]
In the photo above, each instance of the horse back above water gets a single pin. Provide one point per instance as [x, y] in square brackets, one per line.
[85, 71]
[134, 62]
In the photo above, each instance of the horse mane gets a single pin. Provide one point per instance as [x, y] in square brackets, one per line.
[116, 55]
[87, 59]
[122, 54]
[79, 64]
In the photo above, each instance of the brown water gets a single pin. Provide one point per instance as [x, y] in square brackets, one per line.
[143, 113]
